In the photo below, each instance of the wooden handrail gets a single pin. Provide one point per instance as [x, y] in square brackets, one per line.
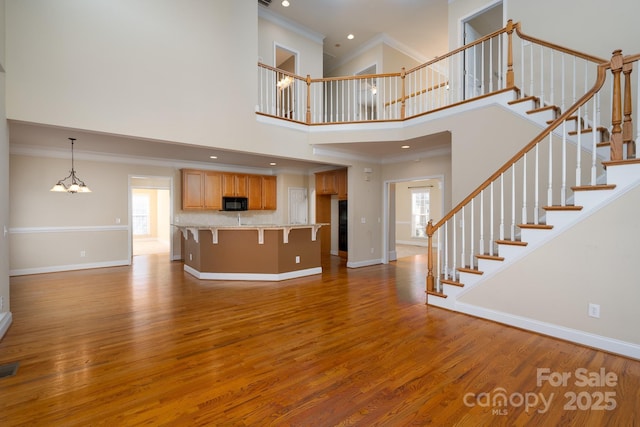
[431, 228]
[414, 94]
[582, 55]
[462, 48]
[564, 116]
[359, 77]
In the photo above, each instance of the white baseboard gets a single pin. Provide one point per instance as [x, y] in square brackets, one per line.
[70, 267]
[612, 345]
[6, 319]
[262, 277]
[366, 263]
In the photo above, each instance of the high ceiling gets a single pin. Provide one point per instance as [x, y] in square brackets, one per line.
[418, 27]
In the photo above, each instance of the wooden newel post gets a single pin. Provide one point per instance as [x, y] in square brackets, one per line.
[308, 99]
[430, 279]
[627, 124]
[510, 77]
[616, 108]
[403, 74]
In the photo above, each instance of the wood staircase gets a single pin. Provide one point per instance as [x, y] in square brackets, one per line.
[586, 198]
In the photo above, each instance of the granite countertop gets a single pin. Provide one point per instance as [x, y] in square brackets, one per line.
[186, 228]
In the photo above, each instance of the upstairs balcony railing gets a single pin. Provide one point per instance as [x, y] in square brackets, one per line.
[496, 62]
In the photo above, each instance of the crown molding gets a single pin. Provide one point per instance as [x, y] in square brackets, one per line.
[290, 25]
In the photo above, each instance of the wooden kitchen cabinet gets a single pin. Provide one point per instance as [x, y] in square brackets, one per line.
[269, 193]
[341, 183]
[254, 183]
[212, 190]
[326, 183]
[234, 185]
[201, 190]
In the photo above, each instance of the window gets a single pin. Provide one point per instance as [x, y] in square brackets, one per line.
[140, 215]
[419, 212]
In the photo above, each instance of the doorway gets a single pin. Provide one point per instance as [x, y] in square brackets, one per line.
[150, 215]
[286, 99]
[409, 205]
[477, 68]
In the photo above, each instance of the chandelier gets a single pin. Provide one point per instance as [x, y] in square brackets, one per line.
[71, 184]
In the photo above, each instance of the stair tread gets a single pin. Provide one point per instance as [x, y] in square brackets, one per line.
[572, 118]
[594, 187]
[545, 108]
[469, 270]
[490, 257]
[511, 242]
[452, 282]
[562, 208]
[437, 294]
[524, 99]
[588, 130]
[621, 162]
[608, 143]
[536, 226]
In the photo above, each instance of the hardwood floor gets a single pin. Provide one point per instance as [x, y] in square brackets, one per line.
[152, 345]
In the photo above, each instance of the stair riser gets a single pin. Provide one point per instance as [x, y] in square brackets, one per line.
[542, 117]
[448, 303]
[561, 218]
[623, 176]
[532, 236]
[510, 251]
[589, 199]
[488, 265]
[523, 107]
[469, 279]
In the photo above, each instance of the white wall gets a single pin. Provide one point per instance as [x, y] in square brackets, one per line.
[581, 25]
[593, 262]
[160, 69]
[4, 186]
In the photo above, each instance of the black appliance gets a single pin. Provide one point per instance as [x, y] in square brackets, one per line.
[342, 226]
[234, 203]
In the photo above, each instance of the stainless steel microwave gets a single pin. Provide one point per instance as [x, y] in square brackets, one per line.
[234, 204]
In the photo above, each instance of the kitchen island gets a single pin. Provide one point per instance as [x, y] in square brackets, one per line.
[251, 252]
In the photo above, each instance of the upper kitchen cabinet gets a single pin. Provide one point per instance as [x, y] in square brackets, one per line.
[234, 185]
[201, 190]
[269, 193]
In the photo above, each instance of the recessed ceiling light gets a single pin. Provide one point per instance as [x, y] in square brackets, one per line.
[213, 157]
[405, 147]
[285, 3]
[273, 163]
[350, 36]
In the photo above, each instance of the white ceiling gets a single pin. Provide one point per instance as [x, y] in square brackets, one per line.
[418, 26]
[404, 21]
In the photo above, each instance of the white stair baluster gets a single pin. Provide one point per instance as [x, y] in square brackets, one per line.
[455, 243]
[491, 221]
[481, 243]
[513, 202]
[594, 147]
[563, 187]
[536, 192]
[550, 180]
[524, 188]
[446, 250]
[501, 229]
[472, 236]
[462, 239]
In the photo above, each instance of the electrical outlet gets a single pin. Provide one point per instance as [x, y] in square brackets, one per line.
[298, 259]
[190, 257]
[83, 253]
[117, 220]
[594, 310]
[1, 304]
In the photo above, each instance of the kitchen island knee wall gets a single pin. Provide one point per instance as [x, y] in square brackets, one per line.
[253, 252]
